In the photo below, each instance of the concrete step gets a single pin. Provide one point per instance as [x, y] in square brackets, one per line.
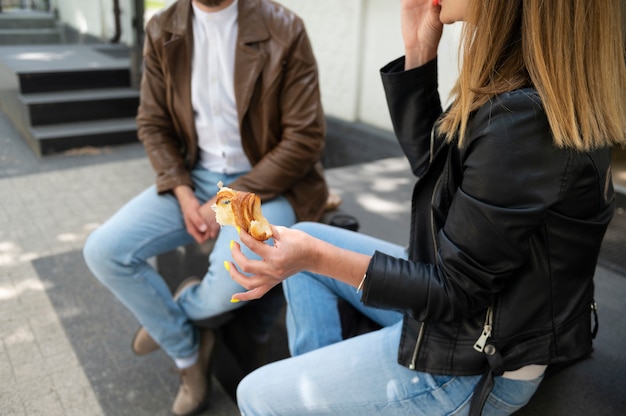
[69, 80]
[82, 105]
[61, 97]
[32, 69]
[46, 140]
[26, 27]
[26, 19]
[30, 36]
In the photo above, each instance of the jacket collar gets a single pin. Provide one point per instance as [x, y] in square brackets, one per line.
[179, 23]
[249, 58]
[251, 26]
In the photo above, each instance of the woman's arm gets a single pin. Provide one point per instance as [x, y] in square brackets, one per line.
[512, 175]
[293, 251]
[414, 106]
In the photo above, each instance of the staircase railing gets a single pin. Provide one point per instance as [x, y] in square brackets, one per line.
[40, 5]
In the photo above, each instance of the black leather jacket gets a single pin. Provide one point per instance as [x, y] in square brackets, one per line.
[505, 236]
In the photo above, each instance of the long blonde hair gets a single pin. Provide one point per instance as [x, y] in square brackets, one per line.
[571, 51]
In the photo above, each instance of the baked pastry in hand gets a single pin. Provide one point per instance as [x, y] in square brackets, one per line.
[241, 209]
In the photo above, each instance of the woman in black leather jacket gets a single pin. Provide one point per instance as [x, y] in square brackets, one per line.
[512, 200]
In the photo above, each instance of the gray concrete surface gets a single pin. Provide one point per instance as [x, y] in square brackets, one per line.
[58, 355]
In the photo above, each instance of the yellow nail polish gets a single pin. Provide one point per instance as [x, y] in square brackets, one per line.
[238, 230]
[232, 244]
[233, 300]
[227, 265]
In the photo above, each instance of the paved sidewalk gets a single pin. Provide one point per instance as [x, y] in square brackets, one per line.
[44, 215]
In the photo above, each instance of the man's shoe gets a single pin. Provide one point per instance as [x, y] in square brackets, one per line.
[143, 343]
[195, 386]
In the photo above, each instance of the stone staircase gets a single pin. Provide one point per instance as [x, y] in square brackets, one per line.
[19, 26]
[63, 96]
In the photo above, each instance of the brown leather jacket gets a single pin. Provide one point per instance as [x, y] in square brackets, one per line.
[278, 102]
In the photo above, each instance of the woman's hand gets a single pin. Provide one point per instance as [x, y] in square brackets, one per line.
[421, 31]
[292, 252]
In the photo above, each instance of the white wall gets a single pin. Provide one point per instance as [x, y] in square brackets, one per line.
[335, 32]
[96, 18]
[352, 40]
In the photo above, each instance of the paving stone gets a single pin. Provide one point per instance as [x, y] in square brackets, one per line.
[11, 403]
[44, 405]
[6, 369]
[74, 390]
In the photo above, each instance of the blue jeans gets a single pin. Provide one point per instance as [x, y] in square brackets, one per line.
[150, 224]
[361, 375]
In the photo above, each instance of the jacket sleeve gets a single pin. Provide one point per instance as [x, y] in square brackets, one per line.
[414, 106]
[302, 125]
[154, 124]
[512, 175]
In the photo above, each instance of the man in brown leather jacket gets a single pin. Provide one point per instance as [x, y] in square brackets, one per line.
[229, 93]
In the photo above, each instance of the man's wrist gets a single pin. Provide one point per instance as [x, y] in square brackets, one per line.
[183, 191]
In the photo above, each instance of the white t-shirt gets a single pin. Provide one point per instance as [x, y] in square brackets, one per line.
[213, 91]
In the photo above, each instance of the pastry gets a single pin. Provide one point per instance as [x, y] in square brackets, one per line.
[241, 209]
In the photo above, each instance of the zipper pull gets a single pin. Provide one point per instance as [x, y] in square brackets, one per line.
[479, 345]
[594, 311]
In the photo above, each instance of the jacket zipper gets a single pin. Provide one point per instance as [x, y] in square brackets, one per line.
[432, 196]
[432, 145]
[420, 335]
[432, 215]
[479, 345]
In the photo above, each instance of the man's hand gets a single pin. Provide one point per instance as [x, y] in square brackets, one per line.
[206, 210]
[195, 223]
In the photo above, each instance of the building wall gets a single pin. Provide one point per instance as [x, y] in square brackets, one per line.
[95, 18]
[352, 40]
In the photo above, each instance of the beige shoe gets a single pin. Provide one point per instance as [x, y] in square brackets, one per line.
[195, 386]
[143, 343]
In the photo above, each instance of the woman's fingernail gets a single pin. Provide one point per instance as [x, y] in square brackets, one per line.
[227, 265]
[238, 230]
[233, 300]
[232, 244]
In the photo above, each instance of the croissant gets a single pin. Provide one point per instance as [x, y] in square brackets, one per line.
[241, 209]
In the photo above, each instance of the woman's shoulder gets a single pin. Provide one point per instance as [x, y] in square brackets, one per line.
[510, 115]
[521, 99]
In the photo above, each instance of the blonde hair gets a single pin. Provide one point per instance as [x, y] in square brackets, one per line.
[571, 51]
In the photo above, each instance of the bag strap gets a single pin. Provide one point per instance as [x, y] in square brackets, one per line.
[485, 384]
